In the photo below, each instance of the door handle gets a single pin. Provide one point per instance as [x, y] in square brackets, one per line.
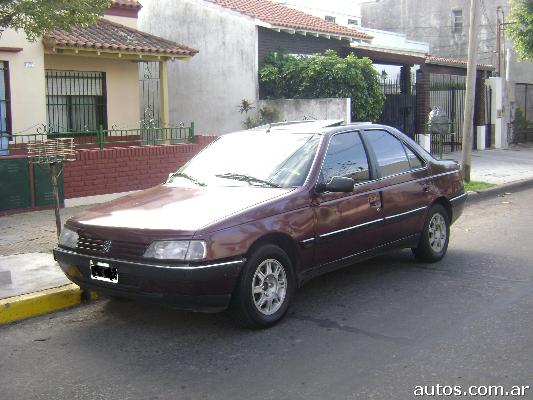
[425, 188]
[374, 201]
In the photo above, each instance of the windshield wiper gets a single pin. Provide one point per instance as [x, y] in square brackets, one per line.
[184, 175]
[246, 178]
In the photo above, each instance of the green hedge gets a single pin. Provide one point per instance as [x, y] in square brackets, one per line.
[322, 76]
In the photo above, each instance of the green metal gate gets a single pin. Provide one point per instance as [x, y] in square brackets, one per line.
[15, 184]
[21, 190]
[43, 186]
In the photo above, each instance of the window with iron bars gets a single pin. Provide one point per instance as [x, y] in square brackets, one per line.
[75, 101]
[5, 110]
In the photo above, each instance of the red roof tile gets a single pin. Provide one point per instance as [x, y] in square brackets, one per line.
[107, 35]
[279, 15]
[452, 61]
[126, 4]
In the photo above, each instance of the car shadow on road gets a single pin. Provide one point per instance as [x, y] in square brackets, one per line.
[361, 284]
[388, 301]
[313, 294]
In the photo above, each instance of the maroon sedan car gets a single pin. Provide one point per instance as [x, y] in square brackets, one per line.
[258, 213]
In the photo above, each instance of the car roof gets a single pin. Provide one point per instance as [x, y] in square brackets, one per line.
[331, 126]
[313, 126]
[305, 126]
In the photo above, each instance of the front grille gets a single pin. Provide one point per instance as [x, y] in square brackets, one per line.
[127, 249]
[90, 245]
[115, 248]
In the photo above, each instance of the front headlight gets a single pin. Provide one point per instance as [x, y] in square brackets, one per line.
[177, 250]
[68, 238]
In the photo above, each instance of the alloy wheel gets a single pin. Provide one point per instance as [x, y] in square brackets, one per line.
[269, 286]
[437, 232]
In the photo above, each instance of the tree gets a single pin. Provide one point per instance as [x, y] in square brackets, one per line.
[521, 27]
[36, 17]
[328, 75]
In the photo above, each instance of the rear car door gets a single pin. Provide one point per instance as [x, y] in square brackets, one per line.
[347, 223]
[405, 183]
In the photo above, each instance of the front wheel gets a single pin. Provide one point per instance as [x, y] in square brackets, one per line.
[435, 236]
[265, 289]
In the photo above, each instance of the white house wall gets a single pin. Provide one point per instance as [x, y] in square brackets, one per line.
[208, 88]
[27, 82]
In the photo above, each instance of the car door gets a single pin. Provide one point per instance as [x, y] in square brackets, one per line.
[405, 184]
[347, 223]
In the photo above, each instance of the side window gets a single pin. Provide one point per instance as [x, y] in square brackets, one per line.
[389, 151]
[414, 160]
[346, 157]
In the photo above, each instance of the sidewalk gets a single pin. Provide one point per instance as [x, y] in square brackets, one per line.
[500, 166]
[29, 275]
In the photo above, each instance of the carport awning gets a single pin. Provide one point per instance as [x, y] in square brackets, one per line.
[396, 57]
[111, 39]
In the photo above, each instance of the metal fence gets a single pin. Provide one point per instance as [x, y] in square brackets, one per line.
[399, 108]
[149, 93]
[101, 138]
[447, 92]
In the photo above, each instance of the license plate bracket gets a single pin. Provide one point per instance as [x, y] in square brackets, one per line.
[102, 271]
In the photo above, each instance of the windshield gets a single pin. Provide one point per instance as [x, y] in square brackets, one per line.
[251, 159]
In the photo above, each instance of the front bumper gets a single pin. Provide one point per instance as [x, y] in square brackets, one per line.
[202, 287]
[458, 205]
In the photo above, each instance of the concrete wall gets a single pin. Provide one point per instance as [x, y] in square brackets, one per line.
[498, 120]
[27, 82]
[518, 71]
[208, 88]
[122, 85]
[432, 23]
[299, 109]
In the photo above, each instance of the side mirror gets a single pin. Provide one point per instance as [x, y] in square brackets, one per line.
[337, 184]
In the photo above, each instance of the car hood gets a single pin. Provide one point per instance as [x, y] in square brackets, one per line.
[176, 208]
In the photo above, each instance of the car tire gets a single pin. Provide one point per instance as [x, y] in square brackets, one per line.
[435, 236]
[265, 288]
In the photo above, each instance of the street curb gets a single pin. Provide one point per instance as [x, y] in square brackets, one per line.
[46, 301]
[487, 194]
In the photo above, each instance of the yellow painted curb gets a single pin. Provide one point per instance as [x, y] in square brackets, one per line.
[32, 304]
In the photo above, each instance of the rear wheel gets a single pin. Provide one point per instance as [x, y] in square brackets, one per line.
[435, 236]
[265, 289]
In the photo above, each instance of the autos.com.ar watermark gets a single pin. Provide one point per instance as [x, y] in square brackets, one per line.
[471, 391]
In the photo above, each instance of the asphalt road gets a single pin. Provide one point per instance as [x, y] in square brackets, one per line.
[372, 331]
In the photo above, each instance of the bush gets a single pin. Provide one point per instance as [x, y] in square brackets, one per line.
[320, 76]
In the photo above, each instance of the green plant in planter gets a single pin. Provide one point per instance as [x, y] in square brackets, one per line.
[266, 115]
[244, 108]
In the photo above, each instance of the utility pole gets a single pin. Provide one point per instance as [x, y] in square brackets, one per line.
[470, 97]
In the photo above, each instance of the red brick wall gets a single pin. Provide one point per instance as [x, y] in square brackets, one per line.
[122, 169]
